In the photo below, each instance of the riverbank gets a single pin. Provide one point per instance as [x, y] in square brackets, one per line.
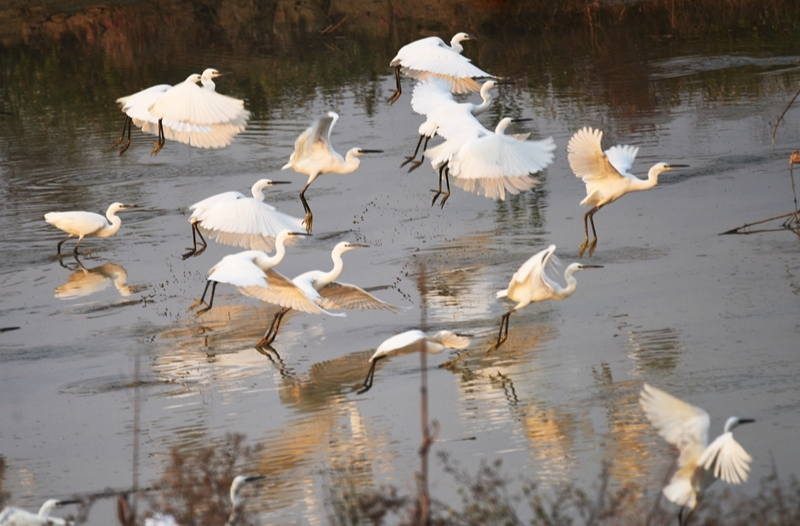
[254, 24]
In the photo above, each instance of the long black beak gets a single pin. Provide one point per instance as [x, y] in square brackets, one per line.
[251, 478]
[371, 151]
[746, 420]
[127, 207]
[299, 234]
[678, 165]
[526, 119]
[68, 502]
[592, 266]
[281, 182]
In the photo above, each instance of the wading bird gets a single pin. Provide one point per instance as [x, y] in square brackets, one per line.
[606, 174]
[699, 463]
[491, 162]
[84, 224]
[243, 269]
[433, 99]
[187, 106]
[325, 292]
[160, 519]
[413, 341]
[11, 516]
[313, 155]
[231, 218]
[431, 57]
[531, 284]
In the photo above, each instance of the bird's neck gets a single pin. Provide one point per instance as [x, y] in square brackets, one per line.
[268, 262]
[483, 106]
[351, 162]
[456, 46]
[572, 284]
[328, 277]
[258, 193]
[111, 229]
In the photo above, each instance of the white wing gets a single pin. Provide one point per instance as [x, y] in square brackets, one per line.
[431, 95]
[238, 270]
[680, 424]
[200, 207]
[622, 157]
[281, 291]
[246, 222]
[726, 459]
[77, 222]
[345, 296]
[436, 57]
[586, 157]
[187, 102]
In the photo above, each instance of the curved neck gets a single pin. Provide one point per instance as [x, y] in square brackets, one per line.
[110, 230]
[328, 277]
[455, 45]
[351, 161]
[487, 101]
[502, 125]
[572, 284]
[208, 84]
[267, 262]
[258, 192]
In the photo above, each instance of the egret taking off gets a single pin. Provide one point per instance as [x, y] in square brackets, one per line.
[606, 174]
[325, 292]
[531, 284]
[313, 155]
[699, 463]
[244, 269]
[409, 342]
[11, 516]
[493, 162]
[84, 224]
[431, 57]
[231, 218]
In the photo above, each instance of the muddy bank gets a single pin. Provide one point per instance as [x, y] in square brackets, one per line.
[252, 24]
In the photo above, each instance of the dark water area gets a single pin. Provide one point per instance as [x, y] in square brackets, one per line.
[712, 319]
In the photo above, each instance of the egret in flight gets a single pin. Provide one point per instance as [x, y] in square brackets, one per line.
[531, 284]
[433, 99]
[243, 269]
[11, 516]
[160, 519]
[314, 155]
[491, 162]
[413, 341]
[322, 288]
[231, 218]
[699, 463]
[191, 107]
[430, 57]
[84, 224]
[606, 174]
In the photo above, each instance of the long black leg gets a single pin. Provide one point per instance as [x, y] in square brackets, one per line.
[75, 250]
[439, 191]
[502, 334]
[58, 247]
[593, 244]
[447, 180]
[398, 91]
[160, 142]
[127, 126]
[308, 221]
[413, 155]
[370, 375]
[417, 164]
[194, 251]
[585, 232]
[203, 297]
[272, 332]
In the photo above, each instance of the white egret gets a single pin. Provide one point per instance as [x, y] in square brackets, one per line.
[531, 284]
[313, 155]
[324, 291]
[186, 106]
[413, 341]
[244, 269]
[444, 115]
[231, 218]
[431, 57]
[493, 161]
[160, 519]
[606, 174]
[699, 463]
[84, 224]
[12, 516]
[135, 109]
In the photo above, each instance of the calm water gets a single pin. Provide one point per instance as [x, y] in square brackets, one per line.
[712, 319]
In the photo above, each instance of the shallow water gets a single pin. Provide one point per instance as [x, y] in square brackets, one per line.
[712, 319]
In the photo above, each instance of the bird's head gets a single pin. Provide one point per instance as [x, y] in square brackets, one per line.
[460, 37]
[121, 207]
[663, 167]
[194, 78]
[212, 73]
[575, 267]
[263, 183]
[735, 421]
[344, 246]
[240, 481]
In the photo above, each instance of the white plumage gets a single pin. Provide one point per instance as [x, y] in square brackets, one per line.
[231, 218]
[12, 516]
[413, 341]
[699, 463]
[82, 224]
[606, 175]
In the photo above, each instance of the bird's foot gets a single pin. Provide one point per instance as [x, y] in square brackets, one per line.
[197, 304]
[437, 193]
[156, 148]
[189, 254]
[408, 160]
[395, 95]
[444, 199]
[308, 222]
[265, 343]
[125, 147]
[364, 389]
[416, 165]
[582, 248]
[592, 246]
[266, 349]
[117, 142]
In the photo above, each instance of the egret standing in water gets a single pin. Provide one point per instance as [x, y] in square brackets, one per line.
[313, 155]
[699, 463]
[409, 342]
[606, 174]
[321, 287]
[231, 218]
[244, 269]
[11, 516]
[431, 57]
[531, 284]
[84, 224]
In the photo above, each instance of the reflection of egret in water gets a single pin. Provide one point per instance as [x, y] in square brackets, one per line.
[85, 281]
[11, 516]
[655, 351]
[626, 439]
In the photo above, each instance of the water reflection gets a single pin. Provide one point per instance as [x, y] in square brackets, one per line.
[86, 281]
[655, 351]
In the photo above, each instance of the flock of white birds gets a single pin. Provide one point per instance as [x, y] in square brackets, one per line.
[480, 160]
